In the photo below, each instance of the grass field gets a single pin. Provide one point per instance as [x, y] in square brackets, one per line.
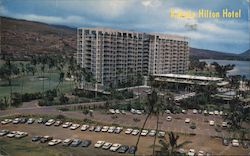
[30, 83]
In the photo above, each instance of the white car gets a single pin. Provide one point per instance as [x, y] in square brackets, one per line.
[21, 134]
[99, 144]
[30, 121]
[111, 129]
[50, 122]
[201, 153]
[115, 147]
[74, 126]
[16, 120]
[187, 120]
[161, 134]
[6, 121]
[128, 131]
[216, 112]
[12, 134]
[112, 111]
[211, 113]
[168, 111]
[123, 112]
[144, 132]
[135, 132]
[152, 132]
[205, 112]
[118, 130]
[235, 143]
[211, 123]
[84, 127]
[224, 124]
[183, 111]
[169, 118]
[138, 112]
[133, 111]
[105, 128]
[107, 145]
[54, 142]
[195, 111]
[117, 111]
[221, 112]
[67, 124]
[191, 152]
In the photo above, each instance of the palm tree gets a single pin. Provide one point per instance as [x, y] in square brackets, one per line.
[149, 107]
[170, 147]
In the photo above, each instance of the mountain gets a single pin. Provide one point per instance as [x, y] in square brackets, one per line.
[246, 54]
[24, 38]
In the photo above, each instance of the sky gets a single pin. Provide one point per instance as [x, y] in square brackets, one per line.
[227, 35]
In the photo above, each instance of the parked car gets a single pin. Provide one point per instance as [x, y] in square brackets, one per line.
[67, 142]
[152, 132]
[67, 124]
[245, 144]
[117, 111]
[195, 111]
[211, 113]
[193, 125]
[75, 142]
[6, 121]
[168, 111]
[36, 138]
[144, 132]
[41, 121]
[111, 129]
[132, 149]
[23, 120]
[84, 127]
[161, 134]
[12, 134]
[105, 128]
[112, 111]
[91, 128]
[86, 143]
[106, 145]
[224, 124]
[54, 142]
[235, 143]
[225, 142]
[99, 144]
[74, 126]
[135, 132]
[98, 128]
[58, 123]
[30, 121]
[16, 120]
[21, 134]
[123, 149]
[201, 153]
[187, 120]
[46, 139]
[184, 111]
[191, 152]
[128, 131]
[4, 132]
[50, 122]
[115, 147]
[200, 111]
[169, 118]
[211, 123]
[118, 130]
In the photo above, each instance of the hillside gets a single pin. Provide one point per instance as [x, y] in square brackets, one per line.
[24, 38]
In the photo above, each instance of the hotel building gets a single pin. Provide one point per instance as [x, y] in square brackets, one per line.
[116, 57]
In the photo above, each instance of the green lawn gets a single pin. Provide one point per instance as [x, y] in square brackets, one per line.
[29, 84]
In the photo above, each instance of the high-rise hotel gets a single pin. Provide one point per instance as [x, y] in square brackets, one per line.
[114, 56]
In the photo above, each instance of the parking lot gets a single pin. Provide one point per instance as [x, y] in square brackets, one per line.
[199, 142]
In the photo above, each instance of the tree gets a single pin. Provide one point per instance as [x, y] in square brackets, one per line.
[170, 147]
[63, 99]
